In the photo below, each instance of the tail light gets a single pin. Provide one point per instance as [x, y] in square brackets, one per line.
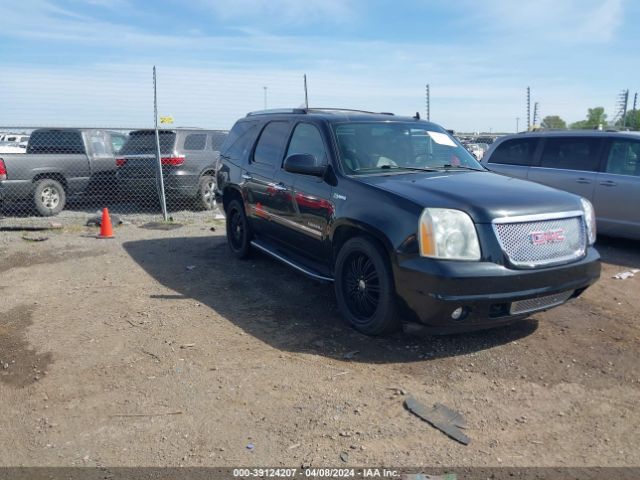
[3, 170]
[173, 161]
[120, 162]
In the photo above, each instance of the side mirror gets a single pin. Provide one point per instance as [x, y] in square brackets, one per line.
[305, 164]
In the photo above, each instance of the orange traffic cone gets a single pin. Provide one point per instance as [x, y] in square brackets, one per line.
[106, 231]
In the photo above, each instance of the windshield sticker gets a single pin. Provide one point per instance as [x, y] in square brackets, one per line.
[441, 138]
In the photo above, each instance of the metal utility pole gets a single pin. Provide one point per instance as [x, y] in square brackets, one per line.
[517, 124]
[624, 110]
[163, 201]
[306, 96]
[635, 111]
[535, 114]
[265, 97]
[428, 99]
[528, 108]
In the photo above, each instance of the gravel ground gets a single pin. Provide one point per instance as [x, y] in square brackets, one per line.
[156, 348]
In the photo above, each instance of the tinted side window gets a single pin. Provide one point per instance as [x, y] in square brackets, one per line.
[518, 151]
[624, 158]
[307, 139]
[56, 141]
[572, 153]
[239, 140]
[195, 141]
[271, 144]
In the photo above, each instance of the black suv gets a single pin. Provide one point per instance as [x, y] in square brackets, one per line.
[405, 222]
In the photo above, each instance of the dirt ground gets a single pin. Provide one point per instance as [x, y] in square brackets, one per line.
[157, 348]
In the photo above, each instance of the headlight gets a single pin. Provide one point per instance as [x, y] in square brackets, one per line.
[590, 220]
[448, 234]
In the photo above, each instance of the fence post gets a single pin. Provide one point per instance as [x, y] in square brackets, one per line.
[163, 201]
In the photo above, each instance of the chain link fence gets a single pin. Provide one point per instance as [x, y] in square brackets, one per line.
[50, 172]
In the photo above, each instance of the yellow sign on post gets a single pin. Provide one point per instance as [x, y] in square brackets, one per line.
[166, 119]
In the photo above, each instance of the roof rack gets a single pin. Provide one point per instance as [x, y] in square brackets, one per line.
[330, 109]
[302, 111]
[273, 111]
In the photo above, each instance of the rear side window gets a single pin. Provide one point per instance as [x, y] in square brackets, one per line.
[572, 153]
[624, 158]
[217, 139]
[195, 141]
[56, 141]
[307, 139]
[518, 151]
[271, 144]
[239, 140]
[143, 142]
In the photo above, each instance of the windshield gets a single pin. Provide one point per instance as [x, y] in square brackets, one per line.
[367, 148]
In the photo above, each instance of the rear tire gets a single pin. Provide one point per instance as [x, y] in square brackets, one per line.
[364, 287]
[206, 197]
[238, 230]
[49, 197]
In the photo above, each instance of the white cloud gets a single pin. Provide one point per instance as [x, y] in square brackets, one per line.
[284, 12]
[551, 21]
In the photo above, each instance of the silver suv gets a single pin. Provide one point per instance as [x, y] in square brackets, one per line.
[603, 167]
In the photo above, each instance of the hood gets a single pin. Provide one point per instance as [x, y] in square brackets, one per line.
[483, 195]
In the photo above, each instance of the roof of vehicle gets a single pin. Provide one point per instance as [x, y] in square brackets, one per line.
[334, 114]
[571, 133]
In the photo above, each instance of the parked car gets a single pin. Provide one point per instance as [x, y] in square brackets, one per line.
[14, 138]
[476, 150]
[59, 162]
[190, 159]
[603, 167]
[402, 219]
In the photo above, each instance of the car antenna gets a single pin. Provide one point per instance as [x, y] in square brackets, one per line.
[306, 97]
[417, 116]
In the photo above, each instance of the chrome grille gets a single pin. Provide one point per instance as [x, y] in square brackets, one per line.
[540, 303]
[531, 242]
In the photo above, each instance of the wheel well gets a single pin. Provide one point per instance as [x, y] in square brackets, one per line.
[53, 176]
[230, 194]
[346, 232]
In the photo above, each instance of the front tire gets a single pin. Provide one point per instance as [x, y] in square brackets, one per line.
[364, 287]
[49, 197]
[238, 230]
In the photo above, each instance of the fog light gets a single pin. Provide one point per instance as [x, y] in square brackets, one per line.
[457, 313]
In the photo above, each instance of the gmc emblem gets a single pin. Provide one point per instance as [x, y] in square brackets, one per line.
[550, 236]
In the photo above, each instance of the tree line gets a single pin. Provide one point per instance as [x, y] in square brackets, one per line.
[596, 118]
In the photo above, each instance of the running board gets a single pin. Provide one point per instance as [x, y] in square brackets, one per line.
[284, 259]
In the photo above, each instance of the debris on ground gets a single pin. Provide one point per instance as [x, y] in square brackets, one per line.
[625, 275]
[96, 221]
[27, 238]
[344, 456]
[191, 267]
[250, 446]
[30, 228]
[187, 345]
[441, 417]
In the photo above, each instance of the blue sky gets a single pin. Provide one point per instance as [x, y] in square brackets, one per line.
[73, 62]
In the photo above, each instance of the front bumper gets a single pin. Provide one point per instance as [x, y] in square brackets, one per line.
[433, 289]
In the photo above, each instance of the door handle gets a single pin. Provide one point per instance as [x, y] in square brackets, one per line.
[279, 187]
[583, 180]
[246, 176]
[608, 183]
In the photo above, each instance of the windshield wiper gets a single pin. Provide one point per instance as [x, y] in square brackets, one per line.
[415, 169]
[463, 167]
